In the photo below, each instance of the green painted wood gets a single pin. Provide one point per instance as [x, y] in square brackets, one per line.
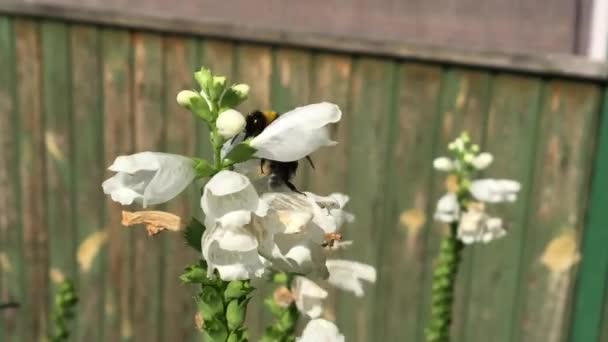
[118, 140]
[254, 67]
[409, 178]
[588, 322]
[511, 130]
[180, 58]
[88, 171]
[368, 118]
[150, 135]
[59, 154]
[559, 195]
[330, 81]
[12, 277]
[33, 178]
[460, 108]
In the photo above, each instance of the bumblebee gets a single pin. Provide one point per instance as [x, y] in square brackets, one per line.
[279, 172]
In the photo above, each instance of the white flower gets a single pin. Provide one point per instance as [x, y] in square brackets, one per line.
[297, 133]
[148, 177]
[443, 164]
[448, 209]
[230, 123]
[347, 275]
[308, 296]
[320, 330]
[495, 190]
[476, 226]
[482, 161]
[185, 96]
[328, 211]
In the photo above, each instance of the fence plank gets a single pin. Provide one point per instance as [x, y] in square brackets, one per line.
[369, 120]
[88, 163]
[558, 198]
[150, 135]
[409, 179]
[180, 61]
[588, 320]
[118, 140]
[511, 130]
[12, 272]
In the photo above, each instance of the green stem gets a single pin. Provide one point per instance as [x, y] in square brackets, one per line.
[442, 295]
[285, 318]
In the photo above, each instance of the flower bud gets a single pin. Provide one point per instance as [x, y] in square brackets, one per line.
[241, 89]
[482, 161]
[443, 164]
[184, 98]
[230, 123]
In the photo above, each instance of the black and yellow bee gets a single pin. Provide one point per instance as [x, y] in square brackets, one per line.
[279, 173]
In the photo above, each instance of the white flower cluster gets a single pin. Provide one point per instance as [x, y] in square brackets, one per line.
[474, 224]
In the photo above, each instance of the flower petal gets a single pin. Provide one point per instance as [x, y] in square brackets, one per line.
[495, 190]
[320, 330]
[308, 296]
[448, 209]
[297, 133]
[137, 162]
[230, 191]
[347, 275]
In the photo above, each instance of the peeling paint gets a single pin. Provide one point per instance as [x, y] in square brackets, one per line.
[56, 275]
[412, 220]
[126, 328]
[5, 263]
[89, 248]
[52, 146]
[562, 252]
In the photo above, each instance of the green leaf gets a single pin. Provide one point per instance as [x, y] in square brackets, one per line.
[274, 308]
[194, 233]
[215, 330]
[204, 79]
[235, 313]
[237, 289]
[203, 168]
[234, 96]
[210, 302]
[240, 153]
[194, 274]
[199, 106]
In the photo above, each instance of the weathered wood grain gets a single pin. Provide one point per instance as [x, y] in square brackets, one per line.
[118, 140]
[511, 131]
[87, 100]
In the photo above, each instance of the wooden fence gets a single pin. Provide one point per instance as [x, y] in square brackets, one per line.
[73, 96]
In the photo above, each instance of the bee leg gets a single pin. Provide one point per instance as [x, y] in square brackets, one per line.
[293, 188]
[310, 162]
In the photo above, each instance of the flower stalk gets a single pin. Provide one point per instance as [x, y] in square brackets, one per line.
[63, 311]
[444, 281]
[285, 313]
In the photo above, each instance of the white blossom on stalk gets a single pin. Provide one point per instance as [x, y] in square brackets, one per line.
[448, 209]
[482, 161]
[230, 123]
[308, 296]
[477, 226]
[297, 133]
[320, 330]
[443, 164]
[495, 190]
[148, 178]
